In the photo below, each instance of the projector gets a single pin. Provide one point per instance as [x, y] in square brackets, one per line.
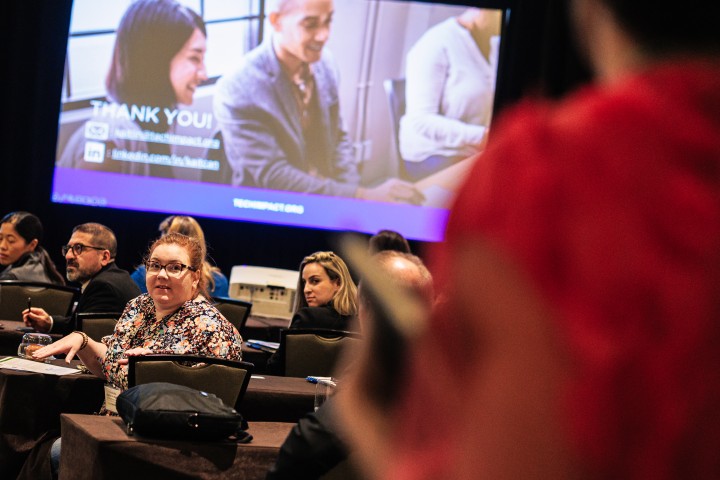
[271, 290]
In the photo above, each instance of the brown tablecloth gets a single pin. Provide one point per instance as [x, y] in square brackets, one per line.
[95, 447]
[277, 399]
[31, 404]
[30, 407]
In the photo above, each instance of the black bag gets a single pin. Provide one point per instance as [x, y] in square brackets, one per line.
[167, 410]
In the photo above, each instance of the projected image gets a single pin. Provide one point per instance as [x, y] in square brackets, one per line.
[360, 114]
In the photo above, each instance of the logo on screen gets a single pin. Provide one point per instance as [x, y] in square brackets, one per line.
[97, 130]
[94, 152]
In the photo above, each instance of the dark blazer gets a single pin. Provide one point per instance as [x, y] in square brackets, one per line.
[321, 317]
[311, 449]
[108, 291]
[310, 317]
[262, 129]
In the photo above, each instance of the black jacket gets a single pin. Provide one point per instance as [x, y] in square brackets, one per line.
[108, 291]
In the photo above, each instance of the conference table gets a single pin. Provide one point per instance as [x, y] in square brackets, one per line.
[30, 408]
[264, 328]
[31, 404]
[96, 448]
[277, 399]
[10, 338]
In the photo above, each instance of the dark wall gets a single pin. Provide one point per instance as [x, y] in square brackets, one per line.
[33, 34]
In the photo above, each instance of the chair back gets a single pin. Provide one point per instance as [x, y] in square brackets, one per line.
[226, 379]
[313, 351]
[395, 92]
[97, 324]
[54, 299]
[234, 310]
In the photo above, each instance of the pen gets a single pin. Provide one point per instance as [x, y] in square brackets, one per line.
[327, 381]
[29, 300]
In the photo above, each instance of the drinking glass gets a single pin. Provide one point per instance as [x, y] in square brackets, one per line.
[323, 390]
[32, 342]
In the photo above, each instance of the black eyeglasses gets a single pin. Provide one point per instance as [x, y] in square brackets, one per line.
[78, 249]
[174, 269]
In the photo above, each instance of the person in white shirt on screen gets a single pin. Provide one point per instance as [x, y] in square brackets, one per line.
[279, 113]
[449, 92]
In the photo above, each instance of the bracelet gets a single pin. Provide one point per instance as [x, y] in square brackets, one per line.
[85, 339]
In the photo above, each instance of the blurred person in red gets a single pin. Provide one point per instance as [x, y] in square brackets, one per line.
[581, 271]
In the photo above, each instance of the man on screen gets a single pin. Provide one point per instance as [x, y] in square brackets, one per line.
[279, 113]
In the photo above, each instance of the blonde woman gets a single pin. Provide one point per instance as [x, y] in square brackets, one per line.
[326, 294]
[326, 298]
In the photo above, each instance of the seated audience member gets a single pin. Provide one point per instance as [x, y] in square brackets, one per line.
[279, 113]
[326, 298]
[105, 287]
[579, 336]
[175, 317]
[449, 91]
[163, 77]
[314, 446]
[218, 285]
[21, 253]
[388, 240]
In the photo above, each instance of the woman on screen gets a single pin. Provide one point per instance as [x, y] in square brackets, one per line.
[21, 253]
[326, 297]
[157, 64]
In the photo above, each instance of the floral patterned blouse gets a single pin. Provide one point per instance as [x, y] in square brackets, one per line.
[197, 328]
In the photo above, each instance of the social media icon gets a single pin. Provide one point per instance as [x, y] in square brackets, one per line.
[94, 152]
[97, 130]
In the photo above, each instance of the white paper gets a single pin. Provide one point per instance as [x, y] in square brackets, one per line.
[14, 363]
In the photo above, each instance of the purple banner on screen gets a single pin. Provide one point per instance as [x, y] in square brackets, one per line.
[102, 189]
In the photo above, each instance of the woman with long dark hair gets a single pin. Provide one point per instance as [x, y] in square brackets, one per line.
[158, 62]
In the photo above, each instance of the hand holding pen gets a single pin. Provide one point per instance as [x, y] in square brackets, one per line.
[28, 327]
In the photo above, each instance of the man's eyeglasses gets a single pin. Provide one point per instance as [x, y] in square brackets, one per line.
[173, 269]
[78, 249]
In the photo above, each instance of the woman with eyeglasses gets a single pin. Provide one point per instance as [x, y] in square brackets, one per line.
[21, 253]
[217, 282]
[326, 298]
[174, 317]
